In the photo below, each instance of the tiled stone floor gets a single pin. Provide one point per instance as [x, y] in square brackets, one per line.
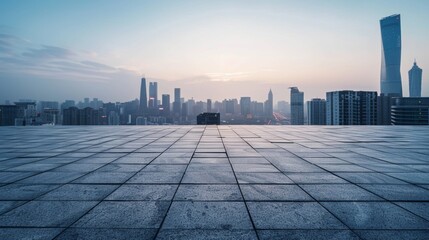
[209, 182]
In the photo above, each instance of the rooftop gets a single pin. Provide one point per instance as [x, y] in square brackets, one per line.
[222, 182]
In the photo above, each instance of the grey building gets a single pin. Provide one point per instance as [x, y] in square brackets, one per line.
[269, 104]
[245, 107]
[410, 111]
[153, 95]
[177, 103]
[316, 111]
[209, 105]
[415, 81]
[297, 106]
[143, 98]
[384, 104]
[390, 77]
[166, 104]
[351, 108]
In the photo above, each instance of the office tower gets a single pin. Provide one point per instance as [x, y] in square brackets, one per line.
[153, 95]
[390, 79]
[316, 111]
[166, 104]
[410, 111]
[415, 81]
[143, 98]
[245, 105]
[351, 108]
[229, 106]
[257, 109]
[297, 106]
[184, 113]
[177, 103]
[268, 107]
[209, 105]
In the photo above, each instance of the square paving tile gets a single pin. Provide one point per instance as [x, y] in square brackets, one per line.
[209, 177]
[253, 192]
[83, 192]
[105, 177]
[339, 192]
[207, 215]
[307, 234]
[29, 233]
[129, 192]
[46, 214]
[24, 191]
[375, 215]
[208, 234]
[208, 193]
[156, 177]
[292, 215]
[398, 192]
[124, 214]
[106, 233]
[255, 178]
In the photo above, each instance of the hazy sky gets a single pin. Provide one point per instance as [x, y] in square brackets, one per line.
[56, 50]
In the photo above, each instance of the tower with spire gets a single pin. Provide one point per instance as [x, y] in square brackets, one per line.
[269, 105]
[415, 80]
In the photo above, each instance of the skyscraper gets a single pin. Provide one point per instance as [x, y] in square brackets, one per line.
[351, 108]
[143, 97]
[209, 105]
[297, 106]
[268, 107]
[177, 104]
[390, 77]
[245, 105]
[415, 80]
[316, 111]
[166, 104]
[153, 95]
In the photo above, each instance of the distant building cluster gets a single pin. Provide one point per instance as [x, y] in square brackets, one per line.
[346, 107]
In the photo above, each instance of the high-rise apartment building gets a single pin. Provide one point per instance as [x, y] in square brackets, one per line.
[415, 81]
[390, 77]
[143, 98]
[297, 106]
[316, 111]
[351, 108]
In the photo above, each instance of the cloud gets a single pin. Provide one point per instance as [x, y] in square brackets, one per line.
[19, 57]
[48, 52]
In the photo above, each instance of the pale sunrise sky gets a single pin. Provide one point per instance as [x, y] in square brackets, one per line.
[57, 50]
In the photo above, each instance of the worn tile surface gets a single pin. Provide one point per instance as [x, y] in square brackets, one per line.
[214, 182]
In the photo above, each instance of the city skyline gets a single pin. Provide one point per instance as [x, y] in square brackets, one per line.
[224, 50]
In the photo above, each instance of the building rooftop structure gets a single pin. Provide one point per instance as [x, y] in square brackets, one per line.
[222, 182]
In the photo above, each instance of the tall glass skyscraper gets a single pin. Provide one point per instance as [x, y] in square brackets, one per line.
[390, 80]
[296, 106]
[143, 97]
[415, 78]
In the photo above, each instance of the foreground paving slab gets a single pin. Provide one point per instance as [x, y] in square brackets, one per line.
[214, 182]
